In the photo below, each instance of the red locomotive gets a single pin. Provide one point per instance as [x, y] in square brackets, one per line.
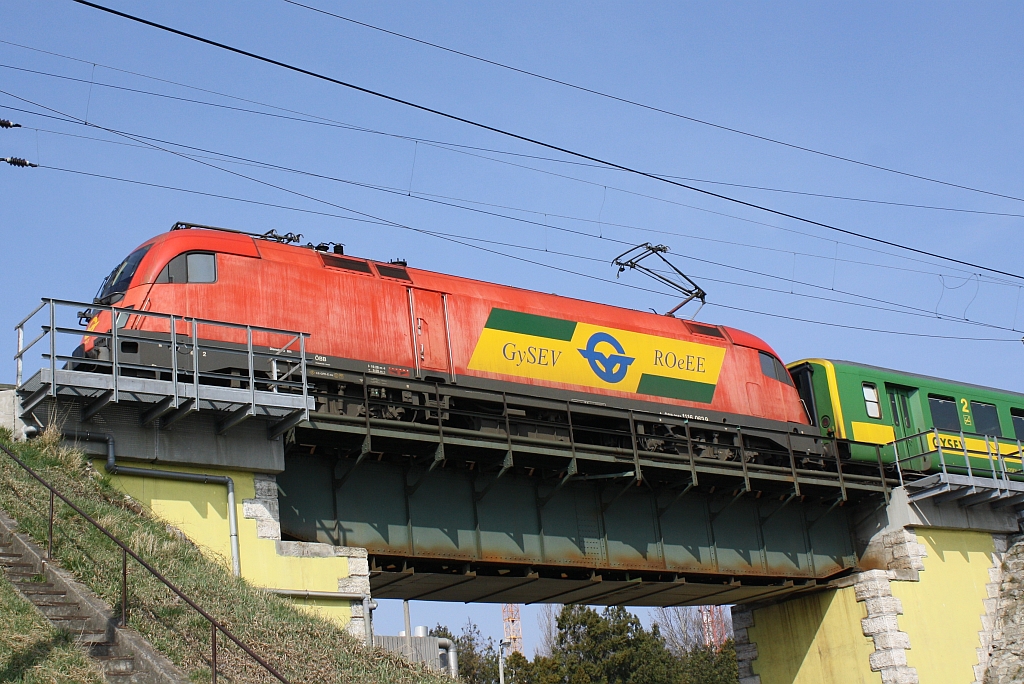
[387, 319]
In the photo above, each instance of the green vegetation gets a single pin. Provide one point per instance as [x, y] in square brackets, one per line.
[610, 647]
[303, 647]
[32, 651]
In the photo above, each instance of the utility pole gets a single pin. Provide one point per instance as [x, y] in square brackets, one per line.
[502, 645]
[408, 629]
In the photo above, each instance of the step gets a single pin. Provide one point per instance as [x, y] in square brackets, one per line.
[38, 589]
[47, 603]
[65, 620]
[116, 665]
[93, 637]
[6, 563]
[38, 585]
[11, 555]
[51, 609]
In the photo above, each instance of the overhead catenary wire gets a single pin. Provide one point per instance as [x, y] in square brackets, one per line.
[535, 141]
[315, 119]
[989, 279]
[459, 239]
[904, 308]
[652, 108]
[148, 144]
[596, 184]
[400, 225]
[444, 146]
[397, 191]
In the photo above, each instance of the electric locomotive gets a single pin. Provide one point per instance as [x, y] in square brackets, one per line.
[457, 335]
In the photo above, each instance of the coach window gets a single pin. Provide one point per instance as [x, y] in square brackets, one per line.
[944, 413]
[871, 403]
[986, 419]
[1018, 422]
[192, 267]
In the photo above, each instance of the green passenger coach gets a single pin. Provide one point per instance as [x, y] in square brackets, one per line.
[928, 422]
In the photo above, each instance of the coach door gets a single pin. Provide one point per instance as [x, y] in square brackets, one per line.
[430, 334]
[903, 422]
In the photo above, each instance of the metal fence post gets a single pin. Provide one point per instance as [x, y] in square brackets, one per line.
[792, 465]
[839, 469]
[114, 350]
[689, 451]
[991, 463]
[174, 360]
[252, 371]
[21, 348]
[53, 350]
[881, 472]
[195, 364]
[899, 461]
[213, 647]
[743, 460]
[967, 456]
[302, 365]
[938, 447]
[124, 587]
[49, 535]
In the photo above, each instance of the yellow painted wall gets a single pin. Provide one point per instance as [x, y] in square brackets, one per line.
[942, 613]
[200, 512]
[813, 640]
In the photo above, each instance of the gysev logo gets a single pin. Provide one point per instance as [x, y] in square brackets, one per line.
[608, 367]
[570, 352]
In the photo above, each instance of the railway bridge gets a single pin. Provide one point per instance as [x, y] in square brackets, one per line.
[837, 571]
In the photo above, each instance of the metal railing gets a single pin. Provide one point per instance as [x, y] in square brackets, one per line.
[268, 358]
[587, 433]
[215, 625]
[956, 458]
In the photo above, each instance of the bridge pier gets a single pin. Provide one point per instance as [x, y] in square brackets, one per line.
[326, 579]
[925, 611]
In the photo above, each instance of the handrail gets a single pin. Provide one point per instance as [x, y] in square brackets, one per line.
[282, 346]
[997, 473]
[154, 314]
[125, 552]
[25, 320]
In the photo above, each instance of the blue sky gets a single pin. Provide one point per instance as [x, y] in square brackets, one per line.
[932, 89]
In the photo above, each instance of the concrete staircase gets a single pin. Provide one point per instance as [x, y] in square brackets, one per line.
[122, 654]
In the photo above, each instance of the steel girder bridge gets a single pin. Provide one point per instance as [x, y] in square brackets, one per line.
[479, 495]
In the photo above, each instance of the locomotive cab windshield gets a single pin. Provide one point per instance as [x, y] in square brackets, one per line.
[116, 284]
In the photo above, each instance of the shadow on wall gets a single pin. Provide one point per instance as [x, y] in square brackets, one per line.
[942, 543]
[813, 639]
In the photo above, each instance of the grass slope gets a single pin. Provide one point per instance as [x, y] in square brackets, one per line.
[32, 651]
[304, 648]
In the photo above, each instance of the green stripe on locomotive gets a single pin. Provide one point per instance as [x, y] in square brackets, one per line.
[878, 406]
